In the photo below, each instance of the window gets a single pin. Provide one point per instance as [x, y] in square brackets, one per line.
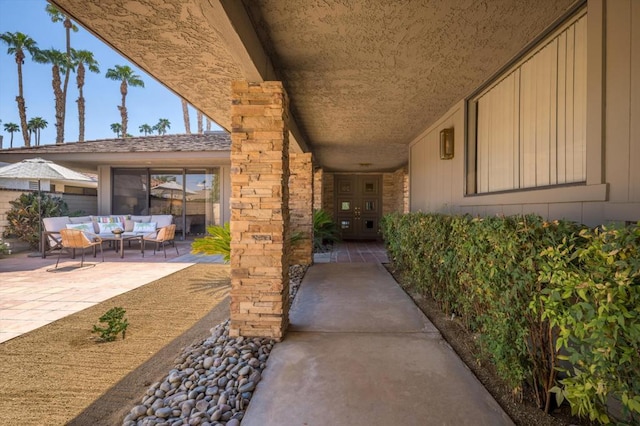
[527, 128]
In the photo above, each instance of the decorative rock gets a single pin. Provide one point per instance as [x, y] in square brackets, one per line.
[163, 412]
[211, 382]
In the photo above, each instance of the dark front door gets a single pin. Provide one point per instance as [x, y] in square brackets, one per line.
[358, 205]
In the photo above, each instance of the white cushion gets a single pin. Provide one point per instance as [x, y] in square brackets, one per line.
[80, 219]
[85, 227]
[106, 228]
[144, 227]
[162, 220]
[55, 224]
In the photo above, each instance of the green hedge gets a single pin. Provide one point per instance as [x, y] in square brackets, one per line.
[533, 290]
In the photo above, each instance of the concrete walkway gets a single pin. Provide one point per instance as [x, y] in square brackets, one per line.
[359, 352]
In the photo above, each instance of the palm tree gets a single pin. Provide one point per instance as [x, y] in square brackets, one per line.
[208, 124]
[57, 16]
[11, 128]
[199, 122]
[185, 114]
[162, 126]
[36, 124]
[80, 58]
[146, 129]
[126, 76]
[18, 43]
[116, 128]
[59, 63]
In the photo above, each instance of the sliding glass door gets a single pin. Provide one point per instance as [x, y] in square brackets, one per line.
[192, 196]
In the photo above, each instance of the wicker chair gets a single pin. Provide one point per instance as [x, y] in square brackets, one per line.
[77, 239]
[165, 235]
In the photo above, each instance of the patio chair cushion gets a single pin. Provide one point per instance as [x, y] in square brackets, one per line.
[144, 227]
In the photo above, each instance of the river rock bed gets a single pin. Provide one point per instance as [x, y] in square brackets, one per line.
[212, 381]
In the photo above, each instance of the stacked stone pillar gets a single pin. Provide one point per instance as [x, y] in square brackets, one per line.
[259, 210]
[301, 207]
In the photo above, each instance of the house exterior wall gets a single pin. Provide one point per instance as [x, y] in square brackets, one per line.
[612, 188]
[301, 207]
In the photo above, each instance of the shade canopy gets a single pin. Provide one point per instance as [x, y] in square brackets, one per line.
[38, 169]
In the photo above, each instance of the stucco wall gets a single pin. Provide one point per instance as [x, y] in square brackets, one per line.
[84, 203]
[612, 190]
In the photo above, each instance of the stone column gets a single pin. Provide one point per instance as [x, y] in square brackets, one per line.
[318, 177]
[259, 210]
[301, 207]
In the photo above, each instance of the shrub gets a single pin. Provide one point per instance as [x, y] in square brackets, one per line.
[486, 272]
[116, 323]
[592, 301]
[325, 230]
[24, 218]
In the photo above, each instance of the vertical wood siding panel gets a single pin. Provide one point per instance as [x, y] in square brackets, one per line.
[580, 106]
[543, 102]
[515, 129]
[527, 124]
[570, 105]
[634, 113]
[562, 110]
[617, 99]
[553, 112]
[483, 135]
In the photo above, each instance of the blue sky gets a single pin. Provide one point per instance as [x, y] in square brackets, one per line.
[145, 105]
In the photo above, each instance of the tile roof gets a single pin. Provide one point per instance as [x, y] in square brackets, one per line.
[211, 141]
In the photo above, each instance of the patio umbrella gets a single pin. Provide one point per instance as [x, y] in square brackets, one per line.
[167, 190]
[38, 169]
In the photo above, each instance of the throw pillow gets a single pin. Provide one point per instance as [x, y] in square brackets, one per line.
[107, 228]
[84, 227]
[144, 227]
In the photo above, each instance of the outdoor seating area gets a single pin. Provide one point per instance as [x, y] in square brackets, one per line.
[113, 229]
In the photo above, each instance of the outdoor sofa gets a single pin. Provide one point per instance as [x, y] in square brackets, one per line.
[102, 226]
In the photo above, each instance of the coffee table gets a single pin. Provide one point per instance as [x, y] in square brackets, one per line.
[119, 240]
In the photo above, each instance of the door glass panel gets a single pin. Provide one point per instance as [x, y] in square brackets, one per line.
[368, 224]
[202, 200]
[129, 192]
[344, 186]
[345, 224]
[370, 206]
[369, 187]
[345, 206]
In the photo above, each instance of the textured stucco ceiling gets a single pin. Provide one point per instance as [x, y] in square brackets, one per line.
[364, 77]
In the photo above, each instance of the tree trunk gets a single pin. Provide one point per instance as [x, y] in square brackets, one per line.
[80, 101]
[185, 114]
[199, 122]
[67, 27]
[123, 108]
[208, 125]
[22, 108]
[59, 104]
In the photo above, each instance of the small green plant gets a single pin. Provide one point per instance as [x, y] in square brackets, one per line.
[325, 230]
[217, 242]
[116, 323]
[5, 248]
[23, 218]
